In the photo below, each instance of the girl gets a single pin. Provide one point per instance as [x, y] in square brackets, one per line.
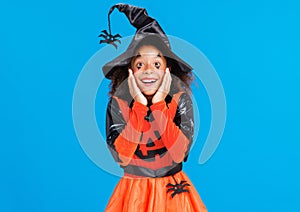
[150, 122]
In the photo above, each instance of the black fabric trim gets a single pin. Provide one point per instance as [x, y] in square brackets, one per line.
[146, 172]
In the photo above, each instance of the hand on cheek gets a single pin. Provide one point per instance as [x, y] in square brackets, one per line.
[134, 90]
[164, 88]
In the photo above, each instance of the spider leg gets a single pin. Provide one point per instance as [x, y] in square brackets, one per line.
[169, 184]
[174, 194]
[117, 36]
[104, 41]
[170, 189]
[185, 185]
[105, 32]
[115, 45]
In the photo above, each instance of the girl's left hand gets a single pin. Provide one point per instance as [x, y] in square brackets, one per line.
[164, 88]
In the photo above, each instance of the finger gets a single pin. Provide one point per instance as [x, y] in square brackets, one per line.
[134, 88]
[131, 76]
[168, 81]
[134, 84]
[130, 83]
[165, 79]
[165, 86]
[169, 78]
[130, 72]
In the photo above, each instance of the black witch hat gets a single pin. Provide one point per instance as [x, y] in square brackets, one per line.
[148, 32]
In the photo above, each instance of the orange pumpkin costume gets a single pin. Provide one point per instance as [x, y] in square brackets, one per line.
[150, 144]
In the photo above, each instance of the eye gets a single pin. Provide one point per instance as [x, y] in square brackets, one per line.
[139, 65]
[157, 65]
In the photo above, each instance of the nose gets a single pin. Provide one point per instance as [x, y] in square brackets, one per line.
[148, 71]
[148, 68]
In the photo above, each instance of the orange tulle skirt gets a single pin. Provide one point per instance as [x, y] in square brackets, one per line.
[150, 195]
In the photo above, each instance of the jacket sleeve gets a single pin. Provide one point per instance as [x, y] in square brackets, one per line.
[175, 122]
[123, 134]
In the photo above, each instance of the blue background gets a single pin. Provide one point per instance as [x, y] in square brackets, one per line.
[254, 47]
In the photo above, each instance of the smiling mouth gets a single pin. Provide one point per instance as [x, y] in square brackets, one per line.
[148, 82]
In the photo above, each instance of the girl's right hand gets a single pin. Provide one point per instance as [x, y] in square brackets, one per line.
[134, 89]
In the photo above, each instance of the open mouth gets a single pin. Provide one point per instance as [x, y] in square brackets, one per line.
[148, 82]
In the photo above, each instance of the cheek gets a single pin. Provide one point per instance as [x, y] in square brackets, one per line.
[161, 75]
[136, 74]
[134, 70]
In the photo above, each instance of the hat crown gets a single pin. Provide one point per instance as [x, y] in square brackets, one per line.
[139, 18]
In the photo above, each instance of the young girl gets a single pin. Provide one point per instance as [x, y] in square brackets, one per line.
[150, 122]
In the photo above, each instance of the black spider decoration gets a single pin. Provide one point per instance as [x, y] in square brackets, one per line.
[177, 188]
[109, 38]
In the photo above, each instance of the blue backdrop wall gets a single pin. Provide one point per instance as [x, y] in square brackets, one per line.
[254, 47]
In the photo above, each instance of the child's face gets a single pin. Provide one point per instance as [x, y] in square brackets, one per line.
[148, 69]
